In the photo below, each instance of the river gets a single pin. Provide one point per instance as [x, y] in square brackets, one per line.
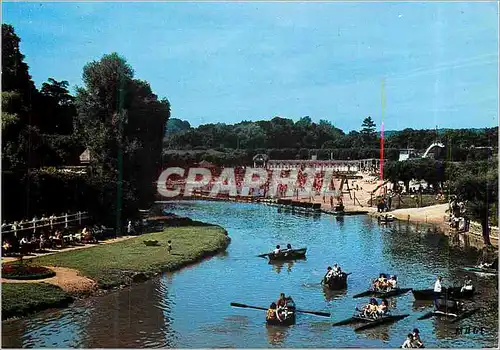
[191, 308]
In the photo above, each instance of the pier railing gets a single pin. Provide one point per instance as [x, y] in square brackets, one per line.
[46, 222]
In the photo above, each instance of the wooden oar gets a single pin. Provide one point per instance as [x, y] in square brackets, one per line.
[426, 316]
[364, 294]
[317, 313]
[248, 306]
[263, 255]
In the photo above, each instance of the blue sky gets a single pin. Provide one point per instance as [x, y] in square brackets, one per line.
[227, 62]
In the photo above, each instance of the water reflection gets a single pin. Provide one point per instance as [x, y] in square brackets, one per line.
[132, 316]
[191, 308]
[278, 265]
[379, 333]
[331, 295]
[276, 335]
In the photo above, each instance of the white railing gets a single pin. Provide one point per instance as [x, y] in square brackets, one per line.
[47, 222]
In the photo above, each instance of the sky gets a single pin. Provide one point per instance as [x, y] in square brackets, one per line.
[436, 63]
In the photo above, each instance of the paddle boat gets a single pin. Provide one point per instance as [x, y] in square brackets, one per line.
[454, 292]
[371, 320]
[381, 288]
[336, 282]
[449, 308]
[286, 255]
[281, 316]
[480, 270]
[284, 315]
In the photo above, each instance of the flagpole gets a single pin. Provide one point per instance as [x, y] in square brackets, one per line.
[382, 138]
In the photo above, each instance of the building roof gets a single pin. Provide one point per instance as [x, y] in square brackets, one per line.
[85, 157]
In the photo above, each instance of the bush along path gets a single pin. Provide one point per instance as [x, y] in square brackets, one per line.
[111, 266]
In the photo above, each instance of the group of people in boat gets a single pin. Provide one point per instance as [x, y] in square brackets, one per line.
[413, 340]
[278, 249]
[439, 289]
[375, 310]
[334, 272]
[282, 309]
[384, 284]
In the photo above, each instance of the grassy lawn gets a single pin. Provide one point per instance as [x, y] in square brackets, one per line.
[112, 264]
[408, 202]
[19, 299]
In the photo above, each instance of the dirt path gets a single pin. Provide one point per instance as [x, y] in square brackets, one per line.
[67, 279]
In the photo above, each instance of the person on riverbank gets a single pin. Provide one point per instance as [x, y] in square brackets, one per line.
[169, 246]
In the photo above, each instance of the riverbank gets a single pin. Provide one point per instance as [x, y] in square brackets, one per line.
[111, 266]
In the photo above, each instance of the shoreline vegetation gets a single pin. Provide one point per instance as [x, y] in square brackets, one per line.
[111, 266]
[431, 215]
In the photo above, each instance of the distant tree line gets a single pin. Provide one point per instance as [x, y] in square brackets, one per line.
[115, 116]
[283, 138]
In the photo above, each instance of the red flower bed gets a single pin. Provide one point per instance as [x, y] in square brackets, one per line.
[25, 272]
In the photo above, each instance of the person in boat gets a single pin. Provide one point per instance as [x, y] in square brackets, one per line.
[370, 310]
[408, 342]
[277, 250]
[467, 285]
[271, 312]
[438, 289]
[392, 283]
[381, 282]
[416, 342]
[383, 308]
[329, 274]
[337, 271]
[288, 249]
[281, 301]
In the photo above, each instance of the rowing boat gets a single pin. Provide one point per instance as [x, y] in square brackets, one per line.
[288, 255]
[289, 321]
[370, 322]
[482, 270]
[455, 292]
[337, 282]
[378, 294]
[455, 315]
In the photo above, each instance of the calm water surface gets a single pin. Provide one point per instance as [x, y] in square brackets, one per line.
[191, 308]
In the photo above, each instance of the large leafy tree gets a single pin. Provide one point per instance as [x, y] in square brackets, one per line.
[58, 108]
[20, 135]
[481, 192]
[122, 124]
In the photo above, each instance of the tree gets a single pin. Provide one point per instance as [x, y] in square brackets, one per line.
[19, 131]
[175, 125]
[481, 192]
[57, 108]
[368, 132]
[130, 157]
